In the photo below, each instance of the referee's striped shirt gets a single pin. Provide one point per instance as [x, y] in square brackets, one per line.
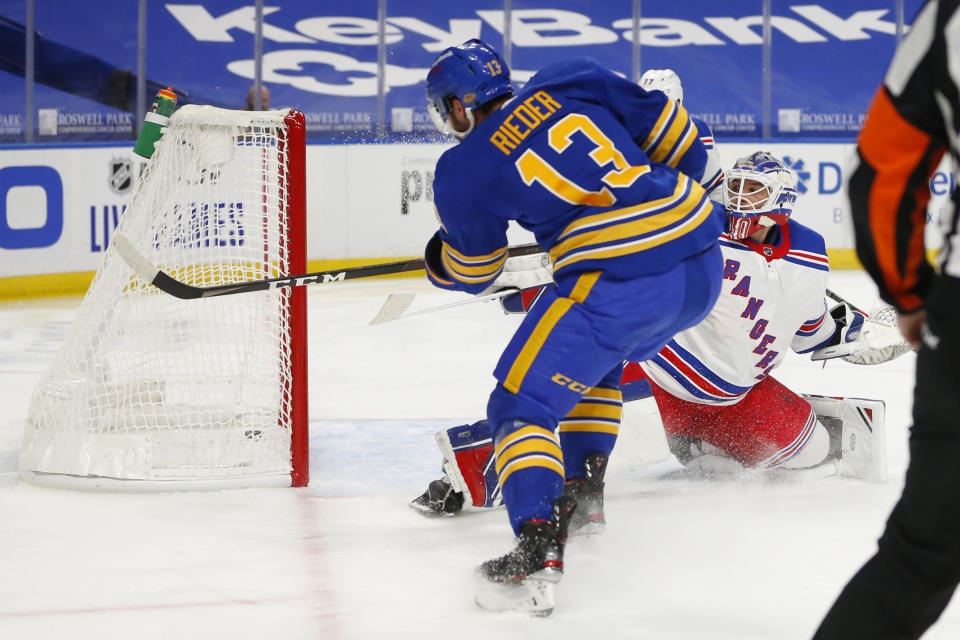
[913, 120]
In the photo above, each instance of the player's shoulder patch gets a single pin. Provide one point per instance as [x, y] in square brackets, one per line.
[807, 247]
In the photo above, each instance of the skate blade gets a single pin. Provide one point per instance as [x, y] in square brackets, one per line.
[533, 596]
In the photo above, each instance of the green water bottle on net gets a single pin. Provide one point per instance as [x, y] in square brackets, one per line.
[156, 119]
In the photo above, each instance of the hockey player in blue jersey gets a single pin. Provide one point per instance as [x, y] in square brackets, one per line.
[605, 175]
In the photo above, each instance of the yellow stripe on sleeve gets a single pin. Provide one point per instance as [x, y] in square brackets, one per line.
[460, 257]
[665, 117]
[473, 270]
[680, 125]
[684, 145]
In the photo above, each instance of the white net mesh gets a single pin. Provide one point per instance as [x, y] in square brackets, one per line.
[153, 388]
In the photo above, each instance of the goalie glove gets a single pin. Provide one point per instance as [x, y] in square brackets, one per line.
[865, 340]
[522, 272]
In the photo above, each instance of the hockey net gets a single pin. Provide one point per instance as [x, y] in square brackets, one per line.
[152, 392]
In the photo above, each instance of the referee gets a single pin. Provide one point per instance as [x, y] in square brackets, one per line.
[912, 122]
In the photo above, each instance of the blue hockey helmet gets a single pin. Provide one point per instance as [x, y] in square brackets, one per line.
[473, 72]
[759, 191]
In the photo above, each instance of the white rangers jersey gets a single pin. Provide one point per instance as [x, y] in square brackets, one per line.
[772, 298]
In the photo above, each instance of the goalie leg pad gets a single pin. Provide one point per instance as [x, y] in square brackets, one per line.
[863, 445]
[523, 300]
[468, 463]
[858, 426]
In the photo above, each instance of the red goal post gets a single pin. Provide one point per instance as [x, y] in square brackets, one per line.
[150, 392]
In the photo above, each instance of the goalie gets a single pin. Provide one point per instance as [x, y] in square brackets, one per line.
[719, 405]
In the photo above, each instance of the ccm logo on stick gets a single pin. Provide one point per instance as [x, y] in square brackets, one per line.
[19, 188]
[299, 282]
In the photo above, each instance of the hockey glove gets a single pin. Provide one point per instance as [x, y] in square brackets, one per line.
[439, 499]
[880, 340]
[865, 340]
[522, 272]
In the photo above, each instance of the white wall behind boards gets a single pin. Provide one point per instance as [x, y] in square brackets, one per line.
[59, 206]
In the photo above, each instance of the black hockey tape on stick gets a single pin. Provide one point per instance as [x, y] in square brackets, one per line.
[841, 300]
[166, 283]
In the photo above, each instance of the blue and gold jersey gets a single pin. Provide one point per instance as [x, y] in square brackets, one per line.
[602, 172]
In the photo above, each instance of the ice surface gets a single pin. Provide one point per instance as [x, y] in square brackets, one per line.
[347, 559]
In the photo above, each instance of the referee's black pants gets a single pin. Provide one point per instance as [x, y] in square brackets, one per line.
[904, 588]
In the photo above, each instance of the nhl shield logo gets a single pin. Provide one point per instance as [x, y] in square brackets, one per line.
[121, 175]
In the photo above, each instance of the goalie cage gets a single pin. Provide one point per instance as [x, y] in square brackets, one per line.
[149, 392]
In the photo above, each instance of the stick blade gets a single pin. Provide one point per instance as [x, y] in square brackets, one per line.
[134, 259]
[393, 307]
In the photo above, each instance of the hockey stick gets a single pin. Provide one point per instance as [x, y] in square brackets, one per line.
[836, 298]
[396, 303]
[168, 284]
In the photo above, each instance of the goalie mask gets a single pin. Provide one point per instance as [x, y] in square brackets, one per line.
[472, 72]
[759, 191]
[665, 80]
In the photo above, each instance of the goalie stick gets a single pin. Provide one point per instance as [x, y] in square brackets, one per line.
[397, 303]
[168, 284]
[836, 298]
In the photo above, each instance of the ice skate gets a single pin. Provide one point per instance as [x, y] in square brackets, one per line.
[524, 579]
[702, 460]
[588, 518]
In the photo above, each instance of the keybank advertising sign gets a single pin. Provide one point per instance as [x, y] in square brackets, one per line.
[827, 57]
